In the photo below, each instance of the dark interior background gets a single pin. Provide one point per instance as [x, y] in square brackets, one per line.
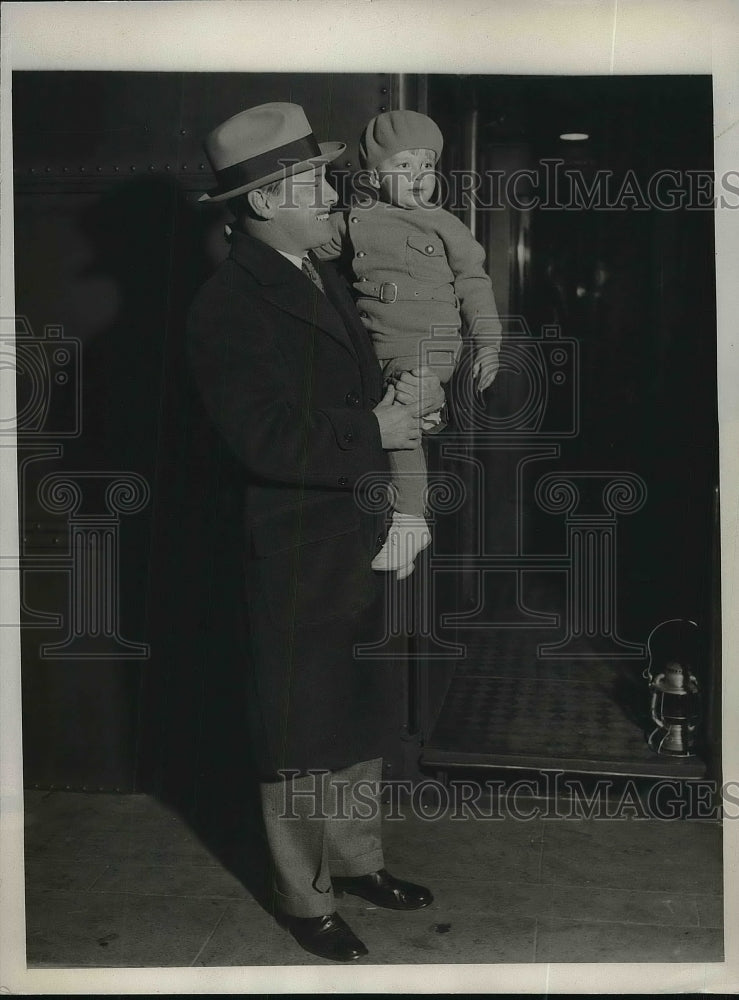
[110, 244]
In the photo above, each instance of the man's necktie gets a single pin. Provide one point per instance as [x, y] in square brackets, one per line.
[312, 273]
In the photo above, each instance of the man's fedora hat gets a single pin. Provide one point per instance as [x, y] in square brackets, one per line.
[261, 145]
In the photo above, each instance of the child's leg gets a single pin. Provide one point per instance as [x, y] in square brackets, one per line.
[410, 479]
[409, 533]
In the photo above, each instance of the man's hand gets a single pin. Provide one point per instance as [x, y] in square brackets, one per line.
[421, 389]
[400, 428]
[485, 367]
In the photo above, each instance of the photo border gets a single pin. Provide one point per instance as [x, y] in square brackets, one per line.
[612, 37]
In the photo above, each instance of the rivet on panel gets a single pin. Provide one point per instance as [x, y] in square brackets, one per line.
[201, 166]
[82, 170]
[47, 170]
[183, 131]
[99, 169]
[65, 170]
[383, 90]
[133, 168]
[383, 107]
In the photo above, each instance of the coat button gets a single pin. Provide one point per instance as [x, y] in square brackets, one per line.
[364, 315]
[343, 481]
[429, 249]
[351, 399]
[348, 437]
[361, 253]
[354, 219]
[363, 278]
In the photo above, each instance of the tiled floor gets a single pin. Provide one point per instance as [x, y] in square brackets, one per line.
[123, 881]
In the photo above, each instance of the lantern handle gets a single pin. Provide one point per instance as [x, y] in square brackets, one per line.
[645, 672]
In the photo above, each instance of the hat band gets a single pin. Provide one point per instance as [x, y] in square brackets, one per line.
[257, 167]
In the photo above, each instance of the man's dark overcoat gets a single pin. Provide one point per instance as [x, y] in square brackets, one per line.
[289, 378]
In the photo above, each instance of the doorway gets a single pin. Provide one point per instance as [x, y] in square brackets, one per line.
[591, 468]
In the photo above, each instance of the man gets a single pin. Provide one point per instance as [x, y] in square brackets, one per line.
[290, 380]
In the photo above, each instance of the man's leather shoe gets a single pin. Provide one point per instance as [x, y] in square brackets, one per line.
[383, 889]
[328, 936]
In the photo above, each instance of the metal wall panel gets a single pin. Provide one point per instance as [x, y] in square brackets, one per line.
[73, 128]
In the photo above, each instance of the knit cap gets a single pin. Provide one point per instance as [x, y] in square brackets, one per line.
[393, 131]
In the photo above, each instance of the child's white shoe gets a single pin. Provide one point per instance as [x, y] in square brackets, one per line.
[409, 534]
[401, 574]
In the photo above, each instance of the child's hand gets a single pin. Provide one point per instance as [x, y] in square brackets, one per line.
[485, 367]
[420, 387]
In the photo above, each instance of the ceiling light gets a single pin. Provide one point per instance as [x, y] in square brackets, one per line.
[574, 136]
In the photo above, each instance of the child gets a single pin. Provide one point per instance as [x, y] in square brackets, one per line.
[419, 278]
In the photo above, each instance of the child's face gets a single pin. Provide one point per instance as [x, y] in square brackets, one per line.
[407, 178]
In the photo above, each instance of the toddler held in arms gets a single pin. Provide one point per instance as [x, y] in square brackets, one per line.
[420, 286]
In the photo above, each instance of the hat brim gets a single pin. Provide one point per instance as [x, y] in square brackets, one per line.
[329, 152]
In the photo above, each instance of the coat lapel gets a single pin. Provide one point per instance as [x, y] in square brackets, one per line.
[289, 289]
[342, 300]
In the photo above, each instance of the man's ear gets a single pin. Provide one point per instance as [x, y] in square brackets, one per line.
[374, 178]
[260, 203]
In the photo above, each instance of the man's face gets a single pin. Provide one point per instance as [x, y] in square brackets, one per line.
[301, 213]
[407, 179]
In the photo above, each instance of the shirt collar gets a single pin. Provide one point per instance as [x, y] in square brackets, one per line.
[297, 261]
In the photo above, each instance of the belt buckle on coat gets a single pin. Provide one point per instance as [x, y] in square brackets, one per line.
[392, 290]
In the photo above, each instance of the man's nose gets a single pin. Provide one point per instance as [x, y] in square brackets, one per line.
[329, 195]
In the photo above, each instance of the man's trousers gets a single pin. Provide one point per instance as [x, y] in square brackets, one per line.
[319, 825]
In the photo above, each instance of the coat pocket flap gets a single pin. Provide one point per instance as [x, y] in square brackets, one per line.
[291, 527]
[426, 245]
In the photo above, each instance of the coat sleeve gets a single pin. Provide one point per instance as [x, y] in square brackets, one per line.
[472, 284]
[243, 379]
